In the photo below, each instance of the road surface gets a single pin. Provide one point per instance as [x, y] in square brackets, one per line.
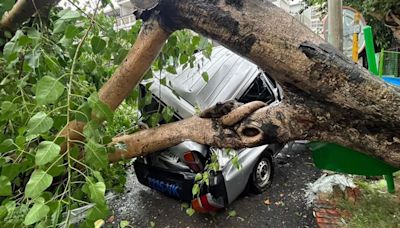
[283, 205]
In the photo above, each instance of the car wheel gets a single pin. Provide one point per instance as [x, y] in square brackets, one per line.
[262, 174]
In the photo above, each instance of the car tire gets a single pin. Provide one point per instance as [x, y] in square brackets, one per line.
[263, 172]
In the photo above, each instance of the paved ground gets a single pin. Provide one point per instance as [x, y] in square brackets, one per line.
[144, 207]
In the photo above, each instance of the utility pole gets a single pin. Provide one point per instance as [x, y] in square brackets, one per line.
[335, 23]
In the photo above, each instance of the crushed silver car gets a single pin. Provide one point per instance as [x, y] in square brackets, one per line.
[173, 170]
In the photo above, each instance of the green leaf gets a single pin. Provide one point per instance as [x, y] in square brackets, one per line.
[195, 40]
[71, 31]
[206, 178]
[39, 123]
[70, 14]
[183, 58]
[51, 63]
[235, 162]
[99, 223]
[37, 212]
[11, 170]
[154, 119]
[7, 145]
[195, 189]
[83, 113]
[58, 168]
[91, 131]
[190, 211]
[6, 5]
[56, 209]
[120, 56]
[99, 211]
[204, 75]
[198, 177]
[232, 213]
[10, 51]
[38, 182]
[123, 224]
[96, 155]
[59, 26]
[3, 212]
[97, 192]
[34, 58]
[7, 110]
[98, 44]
[167, 114]
[47, 152]
[48, 90]
[171, 69]
[100, 110]
[5, 186]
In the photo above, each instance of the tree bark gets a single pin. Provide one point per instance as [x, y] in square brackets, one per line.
[148, 44]
[146, 48]
[328, 97]
[21, 11]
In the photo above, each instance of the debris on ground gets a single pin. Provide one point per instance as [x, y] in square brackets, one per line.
[326, 185]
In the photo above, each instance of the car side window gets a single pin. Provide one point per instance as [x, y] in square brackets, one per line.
[258, 91]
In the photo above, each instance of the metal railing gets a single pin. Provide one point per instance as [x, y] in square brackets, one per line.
[124, 22]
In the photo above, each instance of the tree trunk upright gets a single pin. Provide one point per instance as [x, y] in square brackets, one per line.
[335, 23]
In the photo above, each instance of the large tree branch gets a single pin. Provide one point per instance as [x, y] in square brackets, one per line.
[298, 117]
[21, 11]
[148, 44]
[327, 96]
[287, 50]
[230, 128]
[146, 48]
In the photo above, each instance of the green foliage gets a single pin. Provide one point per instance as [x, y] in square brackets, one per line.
[46, 152]
[373, 12]
[48, 90]
[39, 123]
[50, 75]
[95, 155]
[376, 208]
[38, 182]
[37, 212]
[5, 186]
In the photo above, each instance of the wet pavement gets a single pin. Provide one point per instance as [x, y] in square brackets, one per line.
[282, 205]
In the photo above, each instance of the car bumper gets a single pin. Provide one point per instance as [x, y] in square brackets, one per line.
[179, 184]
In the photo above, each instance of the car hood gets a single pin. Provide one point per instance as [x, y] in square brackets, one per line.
[189, 84]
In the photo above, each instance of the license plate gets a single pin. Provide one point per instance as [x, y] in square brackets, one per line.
[165, 187]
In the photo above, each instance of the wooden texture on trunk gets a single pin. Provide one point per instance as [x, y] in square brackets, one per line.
[21, 11]
[328, 97]
[139, 59]
[148, 44]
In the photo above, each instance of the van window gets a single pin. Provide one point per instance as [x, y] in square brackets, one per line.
[270, 79]
[258, 91]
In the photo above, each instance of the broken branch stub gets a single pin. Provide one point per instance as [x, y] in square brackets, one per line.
[207, 129]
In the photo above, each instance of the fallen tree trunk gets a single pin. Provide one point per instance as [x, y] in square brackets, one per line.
[21, 11]
[328, 97]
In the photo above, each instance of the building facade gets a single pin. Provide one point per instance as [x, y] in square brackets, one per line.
[310, 16]
[122, 10]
